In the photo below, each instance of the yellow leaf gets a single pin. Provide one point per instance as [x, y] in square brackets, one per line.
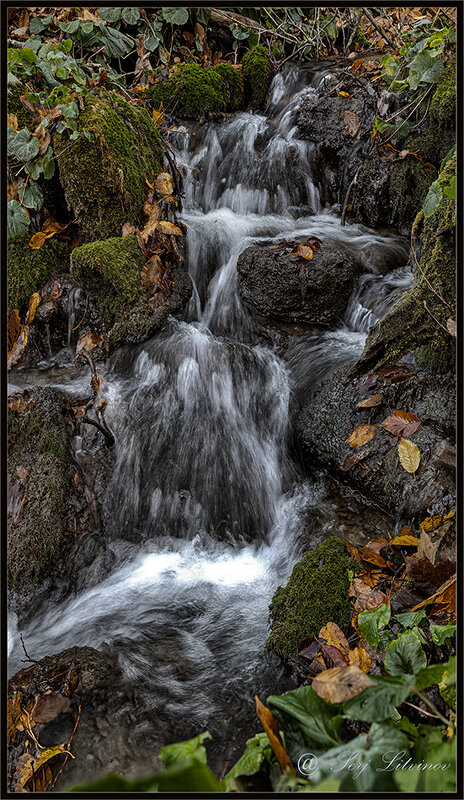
[18, 348]
[164, 184]
[158, 117]
[169, 228]
[128, 230]
[13, 122]
[271, 727]
[341, 683]
[431, 523]
[332, 635]
[358, 657]
[344, 94]
[304, 252]
[37, 240]
[89, 341]
[369, 402]
[405, 541]
[361, 435]
[34, 303]
[32, 765]
[409, 455]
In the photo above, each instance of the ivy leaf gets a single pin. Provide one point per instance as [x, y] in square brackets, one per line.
[177, 16]
[203, 16]
[48, 164]
[69, 27]
[39, 24]
[33, 197]
[432, 200]
[152, 42]
[110, 14]
[371, 622]
[17, 219]
[405, 655]
[117, 43]
[24, 146]
[425, 68]
[130, 15]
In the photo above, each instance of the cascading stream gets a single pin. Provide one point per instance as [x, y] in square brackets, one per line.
[204, 485]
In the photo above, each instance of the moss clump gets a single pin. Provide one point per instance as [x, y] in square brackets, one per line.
[443, 105]
[439, 135]
[29, 270]
[191, 91]
[37, 441]
[233, 83]
[256, 72]
[16, 107]
[104, 180]
[316, 593]
[409, 326]
[408, 186]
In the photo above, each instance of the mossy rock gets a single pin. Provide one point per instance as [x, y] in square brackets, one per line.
[29, 270]
[193, 91]
[409, 182]
[316, 593]
[440, 132]
[37, 441]
[104, 180]
[257, 74]
[16, 107]
[409, 326]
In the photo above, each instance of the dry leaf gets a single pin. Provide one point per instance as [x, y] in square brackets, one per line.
[427, 548]
[444, 597]
[79, 412]
[128, 230]
[344, 94]
[332, 635]
[271, 727]
[358, 657]
[304, 252]
[432, 523]
[409, 455]
[352, 458]
[352, 124]
[14, 327]
[341, 684]
[37, 240]
[361, 435]
[164, 184]
[22, 474]
[369, 402]
[13, 122]
[18, 348]
[401, 423]
[47, 706]
[34, 303]
[366, 598]
[30, 766]
[89, 341]
[168, 228]
[405, 540]
[451, 326]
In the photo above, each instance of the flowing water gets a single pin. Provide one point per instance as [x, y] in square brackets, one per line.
[205, 484]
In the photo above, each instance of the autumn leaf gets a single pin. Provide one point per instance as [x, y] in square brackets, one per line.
[366, 598]
[361, 435]
[444, 599]
[343, 94]
[34, 303]
[427, 547]
[19, 405]
[332, 635]
[37, 240]
[352, 124]
[164, 184]
[89, 341]
[304, 252]
[31, 766]
[152, 272]
[401, 423]
[451, 326]
[432, 523]
[128, 230]
[271, 727]
[370, 402]
[168, 228]
[354, 458]
[48, 705]
[409, 455]
[79, 412]
[13, 122]
[405, 540]
[18, 348]
[158, 118]
[359, 657]
[341, 683]
[14, 327]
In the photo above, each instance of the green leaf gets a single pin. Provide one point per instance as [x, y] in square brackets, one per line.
[193, 776]
[378, 703]
[371, 622]
[438, 773]
[33, 197]
[425, 68]
[152, 42]
[117, 43]
[48, 163]
[440, 633]
[24, 146]
[447, 158]
[411, 618]
[70, 110]
[179, 752]
[399, 129]
[110, 14]
[257, 752]
[429, 676]
[447, 685]
[130, 15]
[203, 16]
[87, 26]
[69, 27]
[361, 764]
[39, 24]
[306, 719]
[450, 190]
[405, 655]
[35, 168]
[240, 34]
[67, 44]
[17, 219]
[432, 201]
[177, 16]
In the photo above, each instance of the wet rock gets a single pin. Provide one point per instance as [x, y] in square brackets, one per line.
[28, 269]
[330, 415]
[257, 74]
[283, 288]
[194, 92]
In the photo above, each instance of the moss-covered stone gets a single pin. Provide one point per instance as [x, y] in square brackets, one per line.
[409, 182]
[191, 91]
[37, 442]
[443, 105]
[234, 85]
[316, 593]
[439, 134]
[409, 325]
[257, 74]
[104, 180]
[16, 107]
[29, 270]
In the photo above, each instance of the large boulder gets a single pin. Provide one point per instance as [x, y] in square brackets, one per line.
[194, 92]
[28, 269]
[283, 288]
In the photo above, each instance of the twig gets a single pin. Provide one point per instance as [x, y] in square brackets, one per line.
[104, 430]
[421, 710]
[378, 28]
[347, 196]
[52, 785]
[430, 705]
[434, 318]
[31, 660]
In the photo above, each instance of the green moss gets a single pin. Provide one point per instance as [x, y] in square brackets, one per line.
[104, 180]
[234, 85]
[110, 272]
[409, 325]
[408, 186]
[29, 270]
[439, 135]
[257, 73]
[191, 91]
[316, 593]
[16, 107]
[443, 105]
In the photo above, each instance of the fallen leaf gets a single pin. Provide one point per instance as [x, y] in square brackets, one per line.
[19, 405]
[164, 184]
[344, 94]
[352, 458]
[401, 376]
[432, 523]
[13, 122]
[358, 657]
[341, 684]
[333, 656]
[369, 402]
[168, 228]
[14, 327]
[361, 435]
[409, 455]
[352, 124]
[37, 240]
[451, 326]
[34, 303]
[444, 599]
[79, 412]
[376, 545]
[366, 598]
[427, 548]
[390, 370]
[18, 348]
[128, 230]
[87, 342]
[47, 706]
[31, 766]
[22, 474]
[304, 252]
[331, 634]
[271, 728]
[404, 540]
[401, 423]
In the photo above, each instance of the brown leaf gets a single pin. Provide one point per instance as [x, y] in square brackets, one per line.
[404, 540]
[30, 767]
[376, 545]
[427, 576]
[158, 117]
[79, 412]
[164, 184]
[128, 230]
[19, 404]
[444, 599]
[428, 548]
[369, 402]
[44, 143]
[390, 370]
[358, 657]
[366, 598]
[37, 240]
[14, 327]
[333, 656]
[331, 634]
[271, 727]
[354, 457]
[361, 435]
[168, 228]
[22, 474]
[152, 272]
[352, 124]
[87, 342]
[141, 45]
[451, 326]
[13, 122]
[34, 303]
[341, 684]
[304, 252]
[14, 714]
[401, 423]
[18, 348]
[401, 376]
[47, 706]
